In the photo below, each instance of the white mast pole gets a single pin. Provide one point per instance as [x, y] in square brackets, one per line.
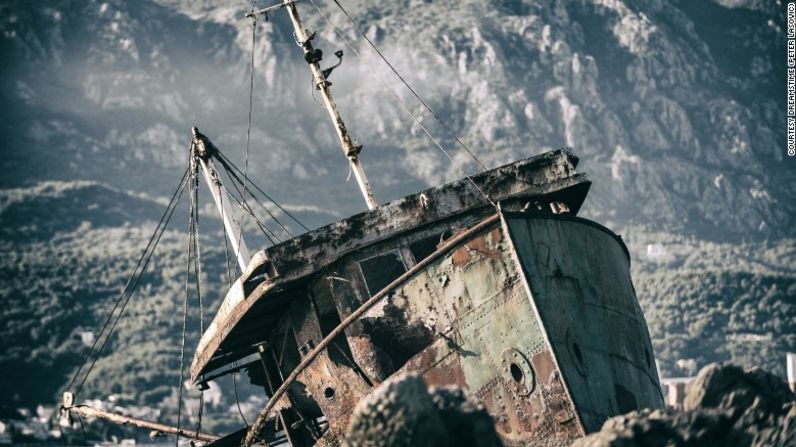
[204, 149]
[350, 150]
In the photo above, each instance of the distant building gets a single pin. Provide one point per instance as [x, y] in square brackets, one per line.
[689, 366]
[674, 387]
[87, 337]
[674, 391]
[656, 251]
[5, 438]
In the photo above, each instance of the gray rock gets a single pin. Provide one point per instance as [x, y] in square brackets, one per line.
[397, 413]
[465, 419]
[724, 406]
[402, 412]
[729, 386]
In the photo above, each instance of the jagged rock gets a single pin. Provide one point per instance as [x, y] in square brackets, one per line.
[724, 406]
[402, 412]
[399, 412]
[729, 386]
[465, 419]
[673, 102]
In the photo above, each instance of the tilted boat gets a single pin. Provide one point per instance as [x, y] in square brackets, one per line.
[491, 283]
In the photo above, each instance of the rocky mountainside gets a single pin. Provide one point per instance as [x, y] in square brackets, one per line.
[673, 106]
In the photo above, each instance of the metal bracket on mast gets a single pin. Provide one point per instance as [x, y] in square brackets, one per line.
[350, 149]
[264, 11]
[205, 150]
[313, 57]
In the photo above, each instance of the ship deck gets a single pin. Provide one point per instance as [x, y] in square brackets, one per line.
[253, 306]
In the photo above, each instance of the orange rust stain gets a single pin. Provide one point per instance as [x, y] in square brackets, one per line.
[461, 256]
[497, 236]
[483, 245]
[544, 366]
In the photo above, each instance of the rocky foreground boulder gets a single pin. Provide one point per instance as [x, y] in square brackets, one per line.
[724, 406]
[403, 412]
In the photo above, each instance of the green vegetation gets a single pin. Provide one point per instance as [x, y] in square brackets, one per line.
[62, 271]
[59, 278]
[53, 291]
[716, 302]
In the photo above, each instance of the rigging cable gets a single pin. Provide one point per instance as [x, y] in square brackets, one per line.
[395, 71]
[270, 235]
[226, 245]
[197, 266]
[222, 158]
[82, 428]
[200, 414]
[249, 125]
[244, 204]
[237, 400]
[124, 290]
[229, 282]
[191, 229]
[401, 102]
[235, 178]
[354, 316]
[130, 286]
[197, 259]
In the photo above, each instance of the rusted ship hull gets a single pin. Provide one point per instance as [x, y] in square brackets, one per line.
[535, 315]
[531, 309]
[538, 318]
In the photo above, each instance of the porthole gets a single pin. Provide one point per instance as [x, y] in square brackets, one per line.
[517, 372]
[576, 354]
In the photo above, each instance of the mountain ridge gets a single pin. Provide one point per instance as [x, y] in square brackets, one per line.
[678, 133]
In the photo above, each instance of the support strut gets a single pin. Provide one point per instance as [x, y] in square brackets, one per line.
[120, 419]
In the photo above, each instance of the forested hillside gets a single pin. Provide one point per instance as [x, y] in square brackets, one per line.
[713, 302]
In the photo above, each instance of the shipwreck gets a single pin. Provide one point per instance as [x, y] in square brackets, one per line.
[492, 283]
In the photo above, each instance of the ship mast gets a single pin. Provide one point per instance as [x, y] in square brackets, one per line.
[313, 57]
[204, 151]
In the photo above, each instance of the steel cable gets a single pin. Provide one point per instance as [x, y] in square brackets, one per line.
[395, 71]
[131, 285]
[234, 171]
[406, 108]
[191, 229]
